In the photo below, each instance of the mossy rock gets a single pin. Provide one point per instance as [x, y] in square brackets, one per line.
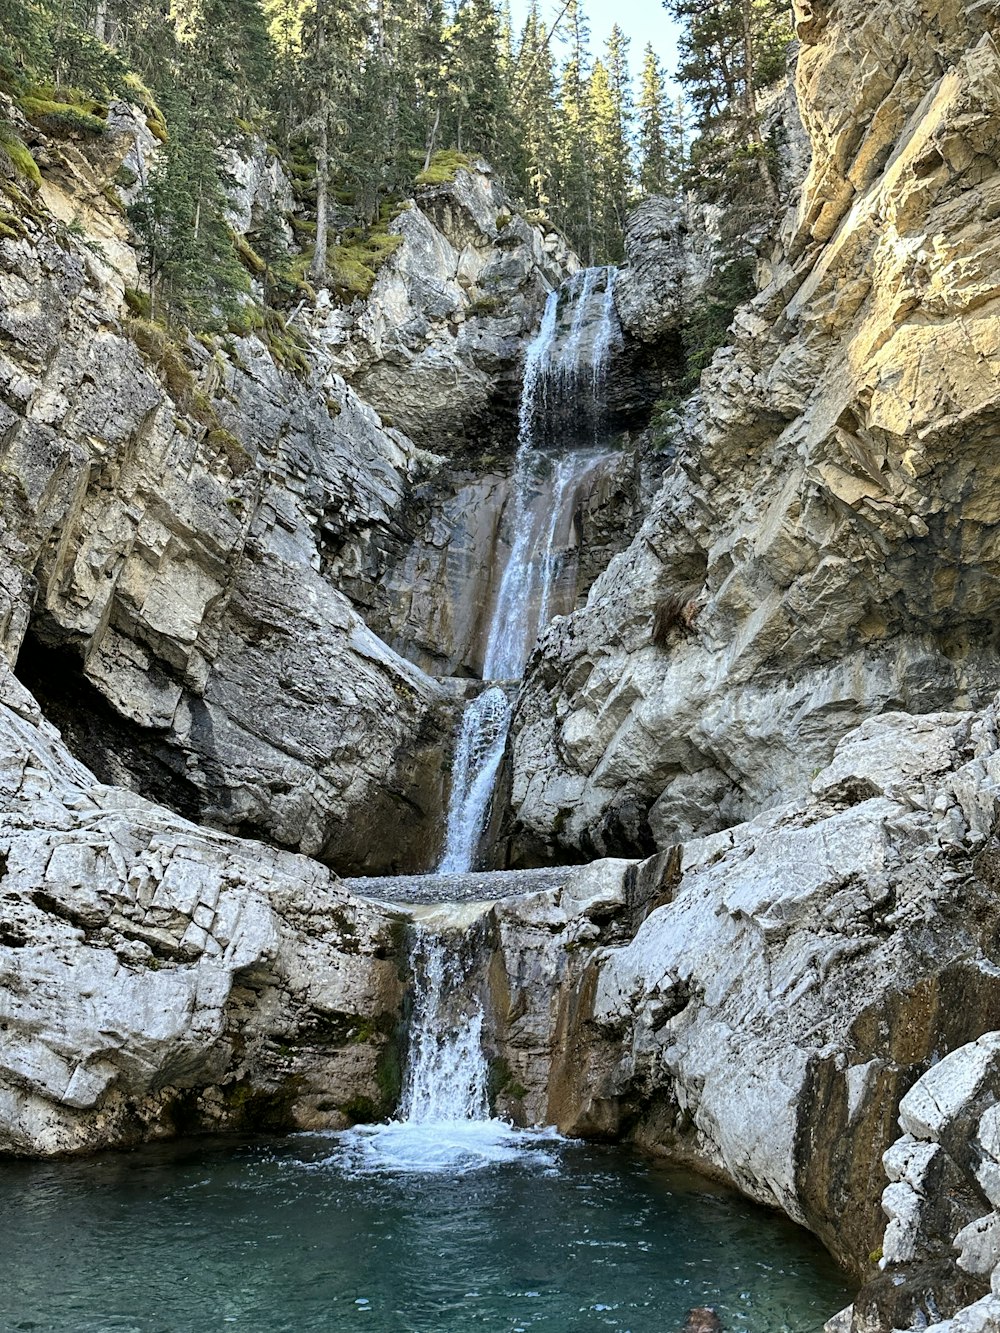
[18, 155]
[226, 443]
[353, 265]
[156, 122]
[485, 305]
[443, 167]
[11, 227]
[360, 1110]
[65, 117]
[139, 303]
[260, 1110]
[248, 256]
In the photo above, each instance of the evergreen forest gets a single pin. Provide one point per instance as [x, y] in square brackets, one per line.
[364, 100]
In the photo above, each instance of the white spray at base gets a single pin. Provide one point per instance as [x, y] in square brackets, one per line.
[563, 376]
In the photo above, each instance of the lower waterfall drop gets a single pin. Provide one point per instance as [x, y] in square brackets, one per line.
[447, 1076]
[445, 1123]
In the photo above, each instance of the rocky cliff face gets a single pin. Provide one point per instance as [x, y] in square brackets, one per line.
[156, 978]
[823, 545]
[757, 1002]
[191, 532]
[438, 345]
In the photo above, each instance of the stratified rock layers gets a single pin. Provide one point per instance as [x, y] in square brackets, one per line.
[190, 537]
[756, 1002]
[824, 546]
[156, 978]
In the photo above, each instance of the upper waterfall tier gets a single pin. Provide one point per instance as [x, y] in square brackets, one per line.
[561, 432]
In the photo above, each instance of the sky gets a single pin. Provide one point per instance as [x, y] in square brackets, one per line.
[642, 20]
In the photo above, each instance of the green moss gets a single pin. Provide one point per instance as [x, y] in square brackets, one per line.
[389, 1075]
[443, 167]
[248, 256]
[286, 345]
[261, 1109]
[18, 155]
[139, 303]
[64, 117]
[503, 221]
[11, 226]
[501, 1081]
[353, 265]
[225, 442]
[112, 197]
[360, 1110]
[155, 342]
[485, 305]
[156, 122]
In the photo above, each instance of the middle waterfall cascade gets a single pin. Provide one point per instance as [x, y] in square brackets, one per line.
[565, 375]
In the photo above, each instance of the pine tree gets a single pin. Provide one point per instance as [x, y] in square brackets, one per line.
[574, 141]
[610, 102]
[656, 175]
[535, 103]
[480, 105]
[730, 50]
[180, 216]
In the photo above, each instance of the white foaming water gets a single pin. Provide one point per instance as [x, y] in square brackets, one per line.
[446, 1078]
[478, 753]
[446, 1124]
[545, 485]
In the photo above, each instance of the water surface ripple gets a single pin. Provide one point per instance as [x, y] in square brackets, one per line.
[507, 1232]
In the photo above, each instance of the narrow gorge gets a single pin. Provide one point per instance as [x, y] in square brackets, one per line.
[473, 765]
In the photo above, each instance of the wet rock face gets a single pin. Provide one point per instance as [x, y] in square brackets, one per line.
[435, 604]
[156, 978]
[437, 347]
[757, 1002]
[828, 508]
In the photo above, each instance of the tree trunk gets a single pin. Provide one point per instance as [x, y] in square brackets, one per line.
[317, 269]
[433, 137]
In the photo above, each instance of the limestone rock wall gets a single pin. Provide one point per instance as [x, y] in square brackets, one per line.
[941, 1252]
[757, 1002]
[823, 546]
[437, 347]
[195, 538]
[157, 978]
[435, 605]
[196, 578]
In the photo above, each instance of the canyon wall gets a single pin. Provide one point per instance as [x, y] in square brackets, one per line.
[823, 547]
[195, 532]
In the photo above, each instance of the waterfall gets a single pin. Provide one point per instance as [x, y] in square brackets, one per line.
[562, 397]
[446, 1078]
[445, 1122]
